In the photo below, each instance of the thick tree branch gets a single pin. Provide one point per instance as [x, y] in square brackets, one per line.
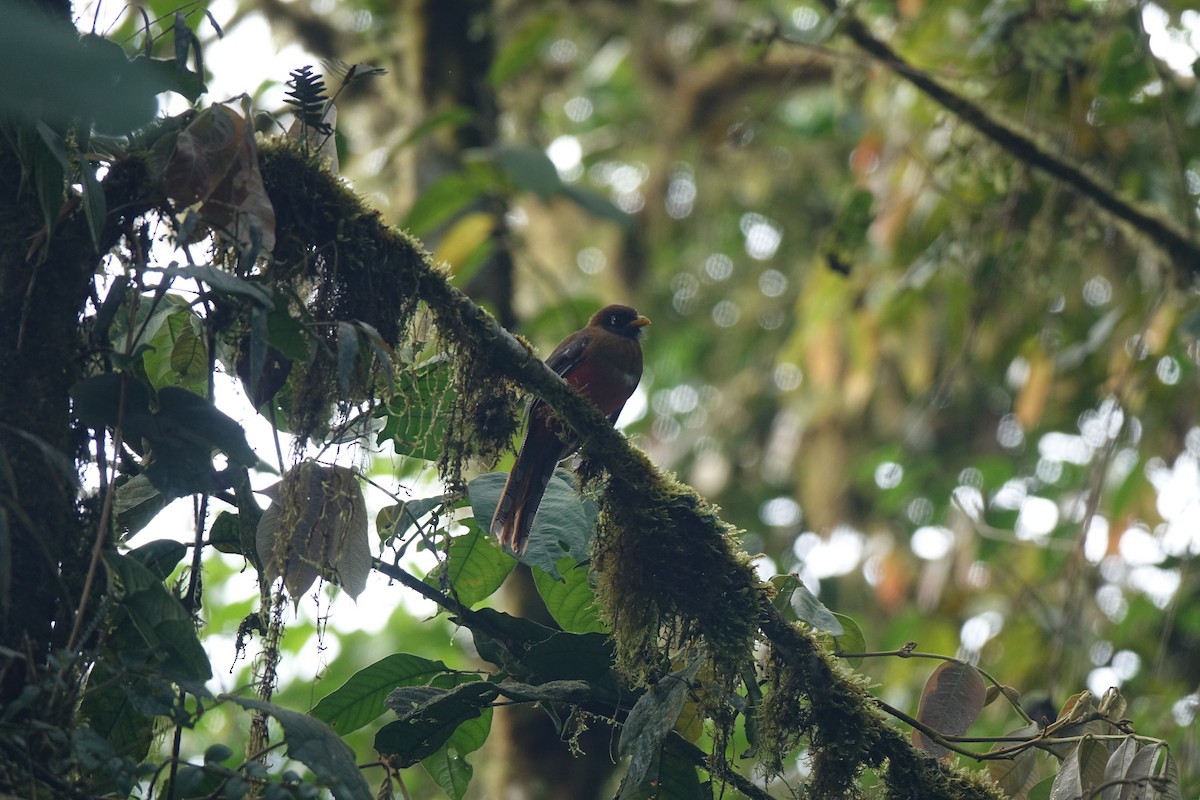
[839, 704]
[1182, 249]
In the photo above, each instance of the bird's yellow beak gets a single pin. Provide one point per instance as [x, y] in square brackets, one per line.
[640, 322]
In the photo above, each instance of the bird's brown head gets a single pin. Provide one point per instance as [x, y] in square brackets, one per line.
[621, 320]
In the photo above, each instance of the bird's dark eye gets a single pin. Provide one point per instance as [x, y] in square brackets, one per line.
[613, 320]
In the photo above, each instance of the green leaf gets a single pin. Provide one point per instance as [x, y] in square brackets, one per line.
[674, 779]
[225, 533]
[314, 744]
[136, 503]
[113, 715]
[412, 421]
[160, 556]
[805, 606]
[455, 116]
[951, 700]
[347, 355]
[596, 204]
[570, 600]
[225, 283]
[361, 698]
[473, 568]
[70, 77]
[529, 169]
[472, 733]
[450, 771]
[563, 525]
[523, 48]
[165, 626]
[852, 641]
[428, 717]
[396, 520]
[498, 636]
[439, 203]
[95, 204]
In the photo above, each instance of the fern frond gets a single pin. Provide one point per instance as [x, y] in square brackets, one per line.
[306, 94]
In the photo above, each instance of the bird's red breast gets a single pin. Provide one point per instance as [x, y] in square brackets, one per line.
[603, 362]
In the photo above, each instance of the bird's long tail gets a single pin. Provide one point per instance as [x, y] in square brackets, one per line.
[523, 490]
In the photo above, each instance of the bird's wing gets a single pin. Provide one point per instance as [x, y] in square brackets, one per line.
[569, 353]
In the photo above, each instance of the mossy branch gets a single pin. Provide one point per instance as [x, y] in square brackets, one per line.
[1179, 246]
[847, 730]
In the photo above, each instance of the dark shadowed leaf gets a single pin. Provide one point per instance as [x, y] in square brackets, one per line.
[1014, 773]
[651, 720]
[428, 717]
[165, 626]
[314, 744]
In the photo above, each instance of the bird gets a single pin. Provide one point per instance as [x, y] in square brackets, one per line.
[603, 362]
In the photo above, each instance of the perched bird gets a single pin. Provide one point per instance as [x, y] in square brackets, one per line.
[603, 362]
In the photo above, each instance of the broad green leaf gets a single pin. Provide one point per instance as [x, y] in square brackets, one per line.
[567, 656]
[563, 525]
[361, 699]
[471, 734]
[95, 204]
[808, 609]
[113, 715]
[412, 419]
[524, 47]
[529, 169]
[501, 638]
[225, 533]
[72, 77]
[450, 771]
[439, 203]
[182, 433]
[851, 641]
[314, 744]
[570, 600]
[160, 556]
[473, 568]
[224, 282]
[596, 204]
[951, 700]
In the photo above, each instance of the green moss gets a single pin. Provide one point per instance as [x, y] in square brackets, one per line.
[337, 255]
[670, 575]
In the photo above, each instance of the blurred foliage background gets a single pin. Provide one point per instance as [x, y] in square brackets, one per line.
[955, 397]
